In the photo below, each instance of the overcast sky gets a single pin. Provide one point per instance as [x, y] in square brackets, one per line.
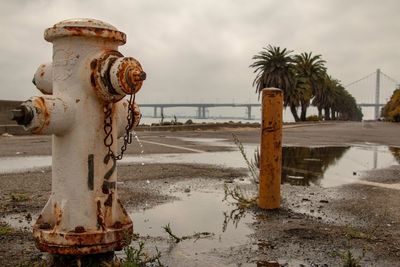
[199, 51]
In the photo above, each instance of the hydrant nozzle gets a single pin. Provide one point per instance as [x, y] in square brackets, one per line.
[23, 115]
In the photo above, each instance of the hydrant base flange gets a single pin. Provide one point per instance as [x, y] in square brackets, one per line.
[83, 243]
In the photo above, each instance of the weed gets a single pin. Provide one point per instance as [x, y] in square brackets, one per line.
[234, 216]
[239, 196]
[252, 165]
[5, 229]
[313, 118]
[18, 197]
[349, 260]
[138, 257]
[352, 233]
[168, 230]
[196, 235]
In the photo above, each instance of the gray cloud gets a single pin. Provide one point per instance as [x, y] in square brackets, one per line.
[200, 51]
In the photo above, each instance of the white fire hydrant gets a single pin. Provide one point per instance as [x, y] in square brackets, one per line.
[84, 110]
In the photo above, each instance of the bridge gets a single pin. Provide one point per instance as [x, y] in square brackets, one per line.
[375, 80]
[203, 107]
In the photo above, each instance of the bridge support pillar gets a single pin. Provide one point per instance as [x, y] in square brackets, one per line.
[155, 112]
[203, 113]
[249, 112]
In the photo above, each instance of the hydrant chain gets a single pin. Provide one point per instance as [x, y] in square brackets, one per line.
[109, 139]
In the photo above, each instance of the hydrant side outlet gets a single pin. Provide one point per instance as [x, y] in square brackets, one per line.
[84, 87]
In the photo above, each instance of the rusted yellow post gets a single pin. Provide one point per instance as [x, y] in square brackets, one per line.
[271, 149]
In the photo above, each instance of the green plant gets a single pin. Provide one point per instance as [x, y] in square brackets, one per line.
[352, 233]
[5, 229]
[349, 260]
[313, 118]
[239, 196]
[138, 257]
[19, 197]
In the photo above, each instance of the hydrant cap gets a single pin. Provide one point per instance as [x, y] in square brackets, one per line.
[84, 27]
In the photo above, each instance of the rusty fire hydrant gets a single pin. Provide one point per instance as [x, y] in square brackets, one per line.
[84, 110]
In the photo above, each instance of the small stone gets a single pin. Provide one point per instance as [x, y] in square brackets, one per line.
[187, 190]
[28, 217]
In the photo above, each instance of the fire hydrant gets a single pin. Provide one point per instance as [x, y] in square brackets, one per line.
[84, 110]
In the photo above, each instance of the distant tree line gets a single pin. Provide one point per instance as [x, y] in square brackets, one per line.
[304, 81]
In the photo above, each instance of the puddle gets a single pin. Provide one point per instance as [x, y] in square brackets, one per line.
[20, 164]
[196, 212]
[323, 166]
[334, 166]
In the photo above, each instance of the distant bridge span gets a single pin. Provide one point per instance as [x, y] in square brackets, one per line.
[202, 107]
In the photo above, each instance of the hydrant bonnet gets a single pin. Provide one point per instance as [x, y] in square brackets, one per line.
[85, 28]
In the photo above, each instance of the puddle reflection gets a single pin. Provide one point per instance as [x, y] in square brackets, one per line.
[305, 165]
[334, 166]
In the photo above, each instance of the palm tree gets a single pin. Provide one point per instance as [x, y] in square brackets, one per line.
[330, 96]
[320, 97]
[275, 68]
[311, 71]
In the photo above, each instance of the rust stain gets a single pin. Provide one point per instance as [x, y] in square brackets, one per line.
[79, 229]
[57, 214]
[93, 64]
[117, 225]
[80, 242]
[101, 83]
[109, 200]
[122, 208]
[99, 32]
[44, 226]
[100, 219]
[93, 81]
[40, 104]
[129, 75]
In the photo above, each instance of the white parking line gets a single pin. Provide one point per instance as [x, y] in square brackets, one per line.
[172, 146]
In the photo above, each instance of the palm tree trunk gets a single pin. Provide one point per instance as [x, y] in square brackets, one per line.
[303, 115]
[320, 113]
[294, 112]
[327, 114]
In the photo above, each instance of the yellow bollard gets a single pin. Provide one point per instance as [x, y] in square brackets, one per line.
[271, 149]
